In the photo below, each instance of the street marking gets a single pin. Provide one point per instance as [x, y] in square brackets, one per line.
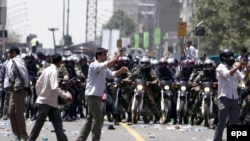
[132, 132]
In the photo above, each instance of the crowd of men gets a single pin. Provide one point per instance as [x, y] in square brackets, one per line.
[74, 71]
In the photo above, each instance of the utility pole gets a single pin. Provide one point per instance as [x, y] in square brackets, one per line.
[63, 29]
[3, 9]
[91, 20]
[67, 32]
[53, 33]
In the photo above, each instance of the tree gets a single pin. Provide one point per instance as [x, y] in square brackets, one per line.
[227, 23]
[120, 20]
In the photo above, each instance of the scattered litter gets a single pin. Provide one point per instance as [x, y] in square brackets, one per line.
[2, 123]
[144, 126]
[177, 127]
[157, 126]
[104, 126]
[170, 128]
[48, 123]
[4, 129]
[6, 133]
[75, 133]
[44, 139]
[152, 136]
[198, 129]
[129, 123]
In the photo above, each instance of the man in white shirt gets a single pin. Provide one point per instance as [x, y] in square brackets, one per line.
[228, 79]
[48, 92]
[190, 51]
[96, 83]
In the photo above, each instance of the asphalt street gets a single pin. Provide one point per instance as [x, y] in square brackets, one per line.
[123, 132]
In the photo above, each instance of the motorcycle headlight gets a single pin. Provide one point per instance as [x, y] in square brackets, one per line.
[114, 85]
[206, 89]
[183, 88]
[166, 87]
[139, 87]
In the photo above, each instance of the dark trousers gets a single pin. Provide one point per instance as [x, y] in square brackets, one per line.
[54, 116]
[227, 107]
[16, 111]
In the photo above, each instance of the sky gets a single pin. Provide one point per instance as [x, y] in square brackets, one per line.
[26, 17]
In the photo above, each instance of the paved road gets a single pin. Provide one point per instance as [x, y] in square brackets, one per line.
[123, 132]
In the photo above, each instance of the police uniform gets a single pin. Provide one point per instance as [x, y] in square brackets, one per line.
[148, 75]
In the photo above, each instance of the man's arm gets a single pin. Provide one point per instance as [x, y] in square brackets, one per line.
[113, 60]
[121, 71]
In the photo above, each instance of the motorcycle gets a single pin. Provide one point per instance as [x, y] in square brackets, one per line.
[118, 101]
[207, 95]
[140, 102]
[166, 99]
[182, 102]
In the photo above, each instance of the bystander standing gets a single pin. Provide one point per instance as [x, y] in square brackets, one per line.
[95, 87]
[19, 84]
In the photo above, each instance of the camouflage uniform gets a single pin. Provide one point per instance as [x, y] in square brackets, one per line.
[195, 78]
[63, 75]
[196, 106]
[148, 75]
[80, 87]
[244, 100]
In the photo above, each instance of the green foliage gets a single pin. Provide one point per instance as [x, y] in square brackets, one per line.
[120, 20]
[227, 24]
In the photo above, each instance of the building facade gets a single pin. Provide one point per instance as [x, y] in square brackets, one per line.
[150, 14]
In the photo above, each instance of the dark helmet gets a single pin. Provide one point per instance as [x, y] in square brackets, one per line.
[227, 56]
[129, 56]
[145, 62]
[198, 65]
[136, 61]
[125, 61]
[29, 57]
[208, 65]
[83, 57]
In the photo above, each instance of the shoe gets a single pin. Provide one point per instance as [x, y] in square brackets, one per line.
[111, 127]
[24, 138]
[82, 115]
[16, 138]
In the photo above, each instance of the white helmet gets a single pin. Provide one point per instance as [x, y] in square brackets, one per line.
[145, 62]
